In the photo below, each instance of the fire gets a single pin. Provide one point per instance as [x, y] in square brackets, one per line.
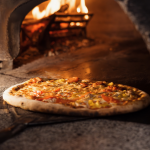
[72, 23]
[86, 17]
[82, 7]
[72, 4]
[78, 10]
[54, 5]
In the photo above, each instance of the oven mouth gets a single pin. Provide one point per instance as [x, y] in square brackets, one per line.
[99, 30]
[62, 31]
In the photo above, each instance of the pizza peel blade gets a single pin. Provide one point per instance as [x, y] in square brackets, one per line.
[26, 119]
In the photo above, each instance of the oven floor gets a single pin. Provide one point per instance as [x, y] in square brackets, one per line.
[128, 64]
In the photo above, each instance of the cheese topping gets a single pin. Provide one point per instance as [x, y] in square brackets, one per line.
[77, 93]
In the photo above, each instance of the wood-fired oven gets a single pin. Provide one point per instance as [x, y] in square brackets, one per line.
[114, 48]
[13, 24]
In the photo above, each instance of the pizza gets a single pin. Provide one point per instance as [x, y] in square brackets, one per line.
[76, 97]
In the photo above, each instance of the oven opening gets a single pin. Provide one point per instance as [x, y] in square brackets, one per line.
[52, 28]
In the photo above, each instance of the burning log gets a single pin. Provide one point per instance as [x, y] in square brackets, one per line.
[56, 25]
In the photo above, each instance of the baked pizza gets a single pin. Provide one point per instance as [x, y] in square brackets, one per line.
[76, 97]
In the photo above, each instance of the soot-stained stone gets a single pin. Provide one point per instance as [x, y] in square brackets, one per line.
[138, 11]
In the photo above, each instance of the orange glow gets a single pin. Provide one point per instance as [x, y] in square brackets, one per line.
[86, 17]
[35, 27]
[72, 23]
[77, 23]
[63, 25]
[58, 32]
[81, 24]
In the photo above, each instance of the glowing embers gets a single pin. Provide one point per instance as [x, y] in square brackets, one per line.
[74, 23]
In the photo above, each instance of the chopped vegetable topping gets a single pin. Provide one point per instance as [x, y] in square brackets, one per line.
[76, 93]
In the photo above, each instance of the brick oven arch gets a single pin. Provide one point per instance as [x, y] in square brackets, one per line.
[13, 19]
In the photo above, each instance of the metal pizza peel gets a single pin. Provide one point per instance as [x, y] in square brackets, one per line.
[21, 119]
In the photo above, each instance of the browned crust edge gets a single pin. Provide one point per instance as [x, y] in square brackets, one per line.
[38, 106]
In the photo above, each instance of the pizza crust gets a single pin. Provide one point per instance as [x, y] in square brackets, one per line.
[38, 106]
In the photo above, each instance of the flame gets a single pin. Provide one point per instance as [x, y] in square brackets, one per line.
[86, 17]
[72, 24]
[78, 10]
[82, 7]
[37, 14]
[54, 5]
[71, 4]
